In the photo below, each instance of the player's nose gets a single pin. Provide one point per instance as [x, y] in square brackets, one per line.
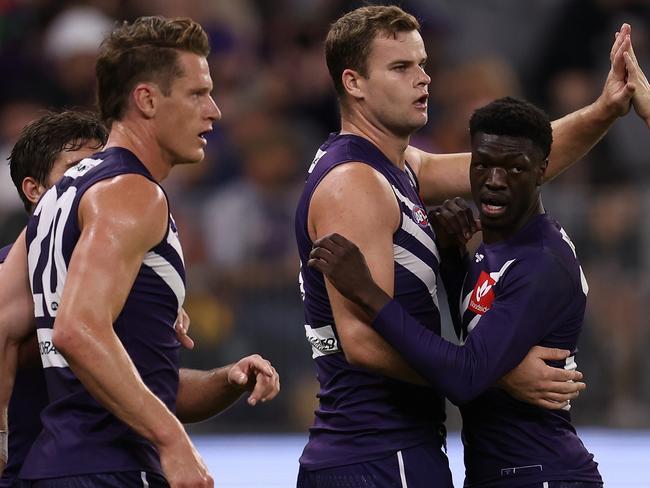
[496, 178]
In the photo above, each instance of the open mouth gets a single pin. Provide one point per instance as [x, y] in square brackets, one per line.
[422, 102]
[203, 137]
[492, 207]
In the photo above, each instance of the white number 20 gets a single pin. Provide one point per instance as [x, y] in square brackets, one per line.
[53, 215]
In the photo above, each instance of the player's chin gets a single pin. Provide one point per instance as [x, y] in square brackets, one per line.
[419, 121]
[197, 156]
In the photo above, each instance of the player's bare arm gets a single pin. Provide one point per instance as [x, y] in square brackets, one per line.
[16, 324]
[356, 201]
[444, 176]
[120, 220]
[203, 394]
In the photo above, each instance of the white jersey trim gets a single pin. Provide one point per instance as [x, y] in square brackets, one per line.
[402, 471]
[167, 273]
[417, 267]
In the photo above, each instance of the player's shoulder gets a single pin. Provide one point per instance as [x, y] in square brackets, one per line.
[127, 190]
[355, 181]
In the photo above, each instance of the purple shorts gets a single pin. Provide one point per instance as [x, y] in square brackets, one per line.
[128, 479]
[421, 466]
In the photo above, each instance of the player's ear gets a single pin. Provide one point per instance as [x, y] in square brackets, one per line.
[144, 98]
[542, 171]
[32, 189]
[352, 83]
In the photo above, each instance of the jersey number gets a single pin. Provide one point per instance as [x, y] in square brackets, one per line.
[48, 272]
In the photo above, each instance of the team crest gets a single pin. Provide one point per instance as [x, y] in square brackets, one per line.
[483, 294]
[420, 216]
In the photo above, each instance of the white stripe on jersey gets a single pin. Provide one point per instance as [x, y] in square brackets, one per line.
[418, 267]
[143, 477]
[472, 323]
[497, 276]
[402, 471]
[168, 273]
[409, 226]
[411, 176]
[172, 240]
[403, 199]
[583, 278]
[416, 231]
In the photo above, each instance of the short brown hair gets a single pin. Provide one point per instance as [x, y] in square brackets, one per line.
[41, 142]
[145, 50]
[349, 39]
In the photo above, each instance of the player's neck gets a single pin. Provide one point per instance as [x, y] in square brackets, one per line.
[494, 235]
[137, 138]
[391, 145]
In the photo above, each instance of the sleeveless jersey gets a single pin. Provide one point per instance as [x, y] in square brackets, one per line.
[509, 443]
[362, 415]
[28, 398]
[79, 435]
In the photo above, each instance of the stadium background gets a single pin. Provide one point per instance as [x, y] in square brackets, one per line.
[235, 210]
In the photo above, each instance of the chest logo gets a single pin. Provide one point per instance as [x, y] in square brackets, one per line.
[483, 294]
[420, 216]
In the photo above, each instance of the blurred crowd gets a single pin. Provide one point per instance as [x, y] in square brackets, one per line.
[235, 210]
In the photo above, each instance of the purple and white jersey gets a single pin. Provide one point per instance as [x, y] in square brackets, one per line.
[79, 435]
[362, 415]
[533, 284]
[28, 398]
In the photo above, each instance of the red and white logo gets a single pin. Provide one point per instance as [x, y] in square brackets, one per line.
[420, 216]
[483, 294]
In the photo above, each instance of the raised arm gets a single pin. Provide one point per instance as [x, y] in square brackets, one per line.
[120, 219]
[357, 201]
[16, 324]
[575, 134]
[444, 176]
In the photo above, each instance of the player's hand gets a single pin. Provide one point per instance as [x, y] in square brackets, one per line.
[345, 267]
[182, 465]
[618, 90]
[181, 327]
[258, 376]
[636, 77]
[454, 223]
[535, 382]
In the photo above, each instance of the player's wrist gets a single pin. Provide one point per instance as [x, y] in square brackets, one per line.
[166, 431]
[604, 111]
[373, 300]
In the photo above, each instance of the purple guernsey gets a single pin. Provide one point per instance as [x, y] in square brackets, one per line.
[28, 398]
[361, 415]
[79, 435]
[517, 293]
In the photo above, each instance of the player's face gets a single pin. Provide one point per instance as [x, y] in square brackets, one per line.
[505, 175]
[395, 92]
[66, 159]
[186, 115]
